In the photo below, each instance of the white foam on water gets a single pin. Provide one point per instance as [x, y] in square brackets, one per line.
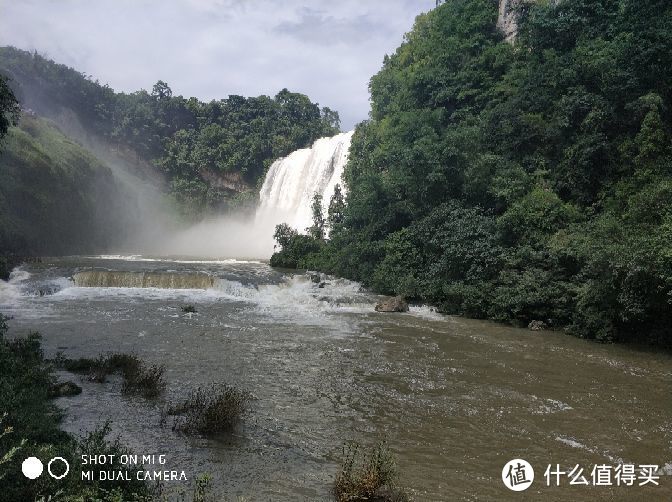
[11, 291]
[96, 293]
[298, 294]
[18, 275]
[48, 288]
[19, 296]
[549, 406]
[426, 312]
[296, 297]
[124, 257]
[569, 441]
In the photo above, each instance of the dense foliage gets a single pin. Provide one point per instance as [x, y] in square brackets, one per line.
[519, 182]
[55, 197]
[29, 426]
[209, 151]
[9, 107]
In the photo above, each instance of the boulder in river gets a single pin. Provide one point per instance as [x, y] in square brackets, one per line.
[396, 304]
[63, 389]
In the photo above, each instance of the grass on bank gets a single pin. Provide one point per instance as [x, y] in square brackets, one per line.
[210, 410]
[368, 475]
[30, 427]
[138, 376]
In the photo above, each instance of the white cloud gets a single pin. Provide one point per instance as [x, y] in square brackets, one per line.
[213, 48]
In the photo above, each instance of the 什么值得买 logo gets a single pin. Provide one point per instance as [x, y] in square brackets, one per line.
[517, 475]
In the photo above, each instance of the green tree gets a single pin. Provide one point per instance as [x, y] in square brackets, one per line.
[161, 91]
[284, 234]
[9, 107]
[335, 212]
[317, 230]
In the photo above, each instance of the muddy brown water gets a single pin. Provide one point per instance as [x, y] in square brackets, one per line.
[456, 399]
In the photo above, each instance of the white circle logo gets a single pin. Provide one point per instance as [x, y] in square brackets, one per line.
[32, 467]
[67, 468]
[518, 475]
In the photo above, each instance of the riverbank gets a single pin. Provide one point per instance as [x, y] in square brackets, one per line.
[31, 423]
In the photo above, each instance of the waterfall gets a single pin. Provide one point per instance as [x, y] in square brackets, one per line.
[291, 182]
[285, 197]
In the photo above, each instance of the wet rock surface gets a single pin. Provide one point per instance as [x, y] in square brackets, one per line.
[396, 304]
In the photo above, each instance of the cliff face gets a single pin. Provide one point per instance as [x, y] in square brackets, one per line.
[508, 16]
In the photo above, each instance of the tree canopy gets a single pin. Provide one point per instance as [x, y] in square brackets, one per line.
[9, 107]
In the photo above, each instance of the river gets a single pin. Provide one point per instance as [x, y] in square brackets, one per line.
[455, 398]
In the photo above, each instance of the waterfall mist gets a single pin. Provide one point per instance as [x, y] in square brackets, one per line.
[229, 236]
[143, 212]
[148, 219]
[149, 215]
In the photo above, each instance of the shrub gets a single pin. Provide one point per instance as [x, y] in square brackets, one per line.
[189, 309]
[297, 250]
[210, 410]
[11, 453]
[30, 427]
[145, 379]
[124, 363]
[368, 476]
[138, 376]
[80, 365]
[98, 370]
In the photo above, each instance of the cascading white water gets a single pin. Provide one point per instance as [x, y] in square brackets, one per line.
[291, 182]
[285, 197]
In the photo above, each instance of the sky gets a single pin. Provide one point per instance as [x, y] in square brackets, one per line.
[213, 48]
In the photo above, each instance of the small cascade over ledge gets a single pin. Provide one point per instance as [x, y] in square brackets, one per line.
[125, 279]
[292, 181]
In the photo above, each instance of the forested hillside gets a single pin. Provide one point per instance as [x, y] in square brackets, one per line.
[55, 197]
[518, 182]
[210, 152]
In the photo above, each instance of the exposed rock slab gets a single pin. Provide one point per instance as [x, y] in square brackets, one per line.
[396, 304]
[537, 325]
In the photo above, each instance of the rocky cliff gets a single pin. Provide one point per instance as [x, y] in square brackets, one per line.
[509, 11]
[508, 18]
